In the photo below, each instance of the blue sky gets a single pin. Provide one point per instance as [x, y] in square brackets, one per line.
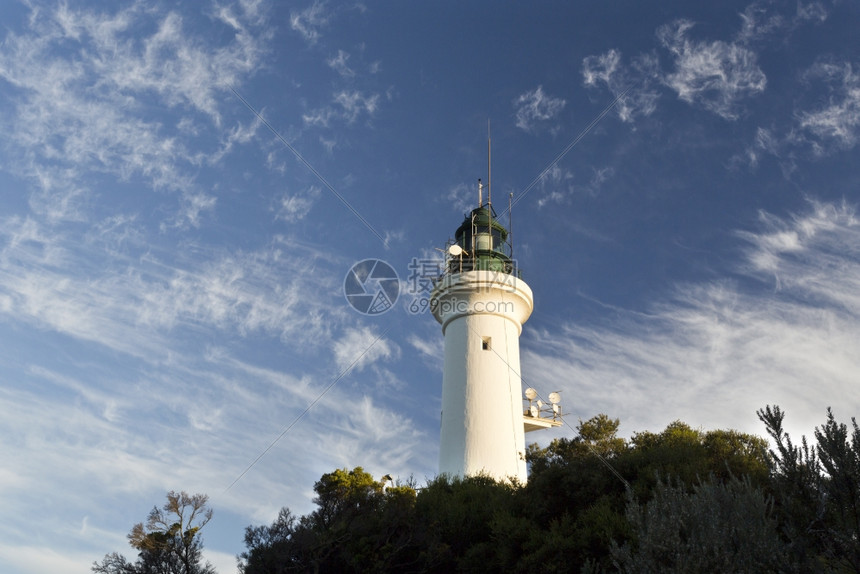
[171, 272]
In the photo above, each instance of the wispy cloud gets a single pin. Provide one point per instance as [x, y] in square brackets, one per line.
[387, 439]
[560, 185]
[534, 107]
[816, 254]
[349, 106]
[784, 332]
[765, 142]
[51, 279]
[354, 103]
[192, 206]
[556, 186]
[838, 122]
[715, 75]
[364, 347]
[35, 559]
[237, 135]
[85, 82]
[340, 64]
[461, 197]
[607, 69]
[431, 349]
[824, 129]
[763, 20]
[310, 21]
[292, 207]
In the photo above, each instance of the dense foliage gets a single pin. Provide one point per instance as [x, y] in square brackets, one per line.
[682, 500]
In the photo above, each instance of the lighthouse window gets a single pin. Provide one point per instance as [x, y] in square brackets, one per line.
[497, 239]
[485, 343]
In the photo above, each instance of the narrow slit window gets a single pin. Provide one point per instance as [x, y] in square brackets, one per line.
[486, 343]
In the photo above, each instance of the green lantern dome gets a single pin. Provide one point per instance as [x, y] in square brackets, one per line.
[485, 242]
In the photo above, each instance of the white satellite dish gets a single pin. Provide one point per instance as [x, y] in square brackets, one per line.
[554, 398]
[533, 411]
[455, 250]
[531, 394]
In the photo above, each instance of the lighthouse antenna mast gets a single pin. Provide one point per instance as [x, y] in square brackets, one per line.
[489, 167]
[511, 223]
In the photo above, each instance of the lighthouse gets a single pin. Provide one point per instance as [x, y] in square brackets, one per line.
[481, 302]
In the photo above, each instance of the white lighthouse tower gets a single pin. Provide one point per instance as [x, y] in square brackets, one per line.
[481, 303]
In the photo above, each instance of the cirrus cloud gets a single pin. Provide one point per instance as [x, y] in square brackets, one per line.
[534, 107]
[714, 75]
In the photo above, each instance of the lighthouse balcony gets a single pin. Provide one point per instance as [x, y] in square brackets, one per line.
[531, 423]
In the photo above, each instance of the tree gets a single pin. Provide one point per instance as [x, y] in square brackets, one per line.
[169, 542]
[463, 524]
[817, 493]
[691, 455]
[839, 454]
[795, 482]
[269, 547]
[578, 488]
[358, 526]
[596, 436]
[718, 527]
